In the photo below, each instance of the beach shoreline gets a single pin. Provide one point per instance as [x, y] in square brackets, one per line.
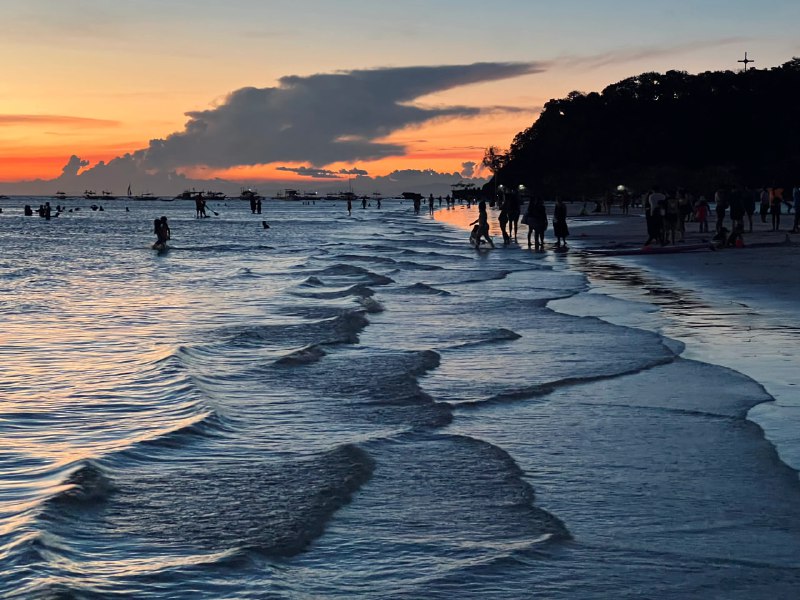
[733, 307]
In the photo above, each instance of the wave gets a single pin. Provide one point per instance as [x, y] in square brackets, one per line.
[304, 356]
[269, 508]
[88, 483]
[345, 270]
[424, 288]
[543, 389]
[355, 290]
[343, 329]
[312, 282]
[485, 276]
[370, 305]
[490, 336]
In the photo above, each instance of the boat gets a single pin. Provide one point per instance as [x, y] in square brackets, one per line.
[145, 196]
[108, 195]
[60, 196]
[288, 194]
[412, 196]
[214, 195]
[186, 195]
[249, 194]
[90, 195]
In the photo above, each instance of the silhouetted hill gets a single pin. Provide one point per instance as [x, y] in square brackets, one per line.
[673, 129]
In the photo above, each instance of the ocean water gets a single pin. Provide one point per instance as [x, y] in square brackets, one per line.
[361, 407]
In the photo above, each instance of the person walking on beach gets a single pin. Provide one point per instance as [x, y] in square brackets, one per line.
[502, 218]
[737, 210]
[763, 204]
[536, 216]
[720, 206]
[430, 204]
[653, 216]
[671, 219]
[513, 210]
[701, 214]
[749, 199]
[483, 226]
[560, 229]
[775, 207]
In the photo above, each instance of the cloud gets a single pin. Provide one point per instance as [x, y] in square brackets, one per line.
[468, 168]
[74, 164]
[312, 172]
[625, 55]
[56, 120]
[321, 118]
[322, 173]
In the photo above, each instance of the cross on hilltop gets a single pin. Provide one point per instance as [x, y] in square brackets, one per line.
[746, 61]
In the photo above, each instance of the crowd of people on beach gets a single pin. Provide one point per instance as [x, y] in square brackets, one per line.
[667, 214]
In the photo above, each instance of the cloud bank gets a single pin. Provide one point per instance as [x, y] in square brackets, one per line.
[320, 119]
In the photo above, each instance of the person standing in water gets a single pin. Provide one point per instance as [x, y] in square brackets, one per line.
[537, 222]
[430, 204]
[483, 226]
[349, 206]
[560, 228]
[162, 231]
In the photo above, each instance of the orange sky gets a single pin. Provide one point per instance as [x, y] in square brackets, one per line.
[106, 80]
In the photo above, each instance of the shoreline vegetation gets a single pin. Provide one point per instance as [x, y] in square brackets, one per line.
[675, 130]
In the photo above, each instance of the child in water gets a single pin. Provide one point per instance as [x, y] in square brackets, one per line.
[482, 229]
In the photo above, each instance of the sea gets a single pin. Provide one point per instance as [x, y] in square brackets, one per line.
[364, 406]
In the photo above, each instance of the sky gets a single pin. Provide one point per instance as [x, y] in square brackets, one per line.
[314, 94]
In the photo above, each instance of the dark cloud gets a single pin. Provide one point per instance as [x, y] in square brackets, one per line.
[322, 173]
[468, 168]
[74, 164]
[321, 118]
[312, 172]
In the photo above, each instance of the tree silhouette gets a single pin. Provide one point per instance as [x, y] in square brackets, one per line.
[672, 129]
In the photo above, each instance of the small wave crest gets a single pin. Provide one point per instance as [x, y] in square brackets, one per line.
[87, 484]
[343, 329]
[355, 290]
[304, 356]
[424, 288]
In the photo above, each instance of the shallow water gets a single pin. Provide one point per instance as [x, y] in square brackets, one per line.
[358, 407]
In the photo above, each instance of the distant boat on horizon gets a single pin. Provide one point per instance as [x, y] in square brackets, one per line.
[145, 196]
[249, 194]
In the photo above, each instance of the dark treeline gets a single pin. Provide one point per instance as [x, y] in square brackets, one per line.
[674, 129]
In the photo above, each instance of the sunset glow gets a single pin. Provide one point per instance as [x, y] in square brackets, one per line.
[106, 82]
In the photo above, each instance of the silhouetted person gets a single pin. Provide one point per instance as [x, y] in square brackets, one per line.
[560, 229]
[537, 222]
[775, 208]
[349, 207]
[763, 204]
[258, 206]
[652, 212]
[483, 226]
[430, 204]
[502, 218]
[513, 215]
